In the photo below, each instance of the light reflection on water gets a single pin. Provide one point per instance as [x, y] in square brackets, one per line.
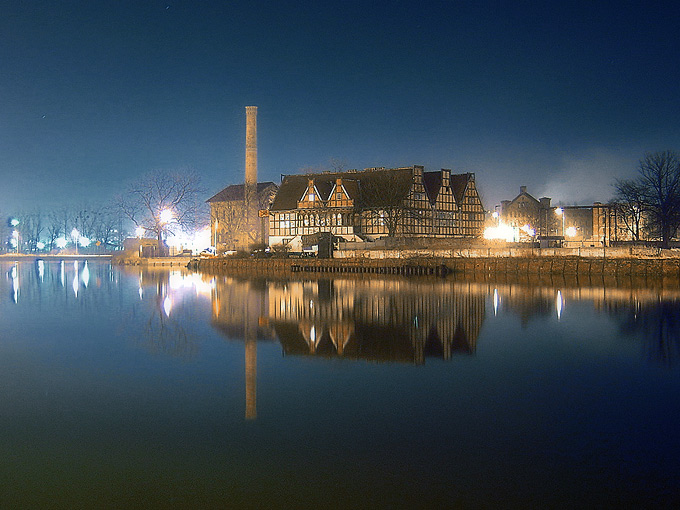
[162, 388]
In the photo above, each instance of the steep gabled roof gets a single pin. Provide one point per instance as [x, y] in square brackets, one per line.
[351, 186]
[237, 192]
[524, 194]
[459, 184]
[433, 183]
[290, 191]
[367, 188]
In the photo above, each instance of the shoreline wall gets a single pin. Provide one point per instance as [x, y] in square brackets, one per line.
[441, 266]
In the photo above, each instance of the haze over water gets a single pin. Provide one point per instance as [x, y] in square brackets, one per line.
[167, 389]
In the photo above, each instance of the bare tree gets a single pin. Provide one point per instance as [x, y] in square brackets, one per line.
[629, 204]
[54, 228]
[31, 229]
[163, 202]
[232, 220]
[5, 232]
[386, 201]
[659, 184]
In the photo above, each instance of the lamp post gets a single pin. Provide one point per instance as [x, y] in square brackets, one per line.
[15, 238]
[15, 233]
[165, 216]
[75, 235]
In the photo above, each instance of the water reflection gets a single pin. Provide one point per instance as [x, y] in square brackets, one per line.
[376, 320]
[164, 331]
[380, 320]
[564, 382]
[657, 323]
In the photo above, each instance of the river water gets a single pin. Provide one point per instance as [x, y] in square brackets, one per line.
[122, 387]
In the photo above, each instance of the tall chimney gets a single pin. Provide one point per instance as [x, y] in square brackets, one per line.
[251, 146]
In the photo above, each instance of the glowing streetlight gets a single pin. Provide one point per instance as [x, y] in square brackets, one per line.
[571, 231]
[166, 216]
[139, 232]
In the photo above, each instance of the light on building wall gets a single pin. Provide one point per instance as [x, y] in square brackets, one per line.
[571, 232]
[560, 212]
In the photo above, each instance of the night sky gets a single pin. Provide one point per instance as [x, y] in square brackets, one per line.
[561, 99]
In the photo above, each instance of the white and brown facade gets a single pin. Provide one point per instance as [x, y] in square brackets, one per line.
[373, 203]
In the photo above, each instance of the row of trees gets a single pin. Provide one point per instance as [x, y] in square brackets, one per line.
[156, 205]
[649, 204]
[40, 229]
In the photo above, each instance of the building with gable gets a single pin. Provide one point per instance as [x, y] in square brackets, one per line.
[232, 228]
[374, 203]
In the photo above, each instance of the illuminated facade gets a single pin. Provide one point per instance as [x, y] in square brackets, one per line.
[373, 203]
[526, 214]
[231, 226]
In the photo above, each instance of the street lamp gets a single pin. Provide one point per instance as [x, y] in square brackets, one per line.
[75, 235]
[15, 239]
[165, 216]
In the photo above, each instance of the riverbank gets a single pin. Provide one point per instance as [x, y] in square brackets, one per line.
[63, 256]
[440, 266]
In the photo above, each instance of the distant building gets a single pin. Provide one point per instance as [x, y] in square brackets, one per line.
[527, 214]
[376, 202]
[232, 228]
[573, 225]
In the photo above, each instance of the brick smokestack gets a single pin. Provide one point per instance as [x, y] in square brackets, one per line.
[251, 147]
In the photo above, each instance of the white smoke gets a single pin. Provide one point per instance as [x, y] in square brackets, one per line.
[588, 177]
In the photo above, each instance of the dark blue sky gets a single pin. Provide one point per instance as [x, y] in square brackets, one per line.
[559, 98]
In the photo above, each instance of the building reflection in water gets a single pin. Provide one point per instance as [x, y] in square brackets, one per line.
[650, 313]
[382, 320]
[355, 319]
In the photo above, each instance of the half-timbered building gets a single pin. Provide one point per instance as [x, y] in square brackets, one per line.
[374, 203]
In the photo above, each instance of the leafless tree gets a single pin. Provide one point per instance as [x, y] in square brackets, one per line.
[658, 182]
[31, 228]
[54, 228]
[5, 232]
[232, 220]
[147, 198]
[386, 201]
[629, 205]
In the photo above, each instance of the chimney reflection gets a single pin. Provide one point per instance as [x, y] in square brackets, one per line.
[379, 320]
[393, 321]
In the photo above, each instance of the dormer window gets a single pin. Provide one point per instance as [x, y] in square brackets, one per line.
[339, 196]
[311, 196]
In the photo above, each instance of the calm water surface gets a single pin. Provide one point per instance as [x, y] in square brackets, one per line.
[167, 389]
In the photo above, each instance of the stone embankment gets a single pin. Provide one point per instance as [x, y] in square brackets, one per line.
[519, 264]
